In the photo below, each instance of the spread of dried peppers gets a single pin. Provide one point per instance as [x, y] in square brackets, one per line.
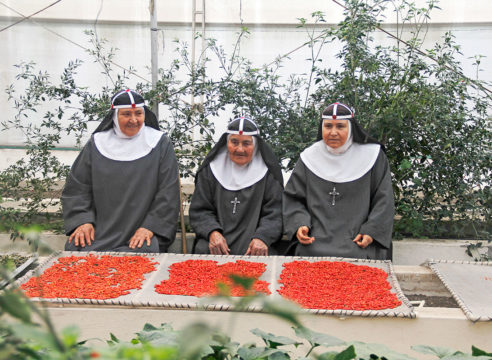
[90, 277]
[336, 285]
[200, 278]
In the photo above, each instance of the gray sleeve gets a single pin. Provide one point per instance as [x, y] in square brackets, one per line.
[203, 211]
[379, 224]
[163, 213]
[294, 202]
[269, 228]
[77, 200]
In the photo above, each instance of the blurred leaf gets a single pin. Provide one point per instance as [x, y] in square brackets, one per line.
[253, 353]
[283, 309]
[316, 338]
[365, 351]
[478, 352]
[347, 354]
[15, 305]
[438, 351]
[273, 341]
[35, 334]
[243, 281]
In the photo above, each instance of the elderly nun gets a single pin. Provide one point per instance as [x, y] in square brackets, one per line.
[237, 204]
[339, 198]
[122, 193]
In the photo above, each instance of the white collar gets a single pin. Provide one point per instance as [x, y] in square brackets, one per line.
[234, 177]
[351, 165]
[115, 145]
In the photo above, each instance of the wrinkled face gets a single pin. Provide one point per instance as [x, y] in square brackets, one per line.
[241, 148]
[335, 132]
[131, 120]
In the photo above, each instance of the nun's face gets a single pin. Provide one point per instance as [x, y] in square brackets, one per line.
[131, 120]
[241, 148]
[335, 132]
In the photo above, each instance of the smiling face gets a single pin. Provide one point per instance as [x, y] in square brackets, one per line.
[131, 120]
[335, 132]
[241, 148]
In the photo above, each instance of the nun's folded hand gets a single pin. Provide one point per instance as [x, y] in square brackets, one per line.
[82, 235]
[257, 247]
[217, 244]
[363, 240]
[141, 235]
[303, 235]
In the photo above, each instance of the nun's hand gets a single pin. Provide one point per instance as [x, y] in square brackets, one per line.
[217, 244]
[363, 240]
[82, 235]
[141, 235]
[257, 247]
[303, 235]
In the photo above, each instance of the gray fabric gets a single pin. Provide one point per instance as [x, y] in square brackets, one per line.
[118, 197]
[470, 284]
[146, 296]
[258, 213]
[365, 206]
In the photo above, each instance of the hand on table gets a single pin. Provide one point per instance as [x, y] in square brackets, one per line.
[257, 247]
[141, 235]
[217, 244]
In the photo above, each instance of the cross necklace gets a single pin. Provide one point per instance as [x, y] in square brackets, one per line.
[235, 202]
[334, 193]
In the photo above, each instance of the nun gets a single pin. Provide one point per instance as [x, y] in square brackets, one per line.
[122, 193]
[339, 199]
[236, 207]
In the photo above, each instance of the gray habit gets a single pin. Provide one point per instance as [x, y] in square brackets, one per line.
[118, 197]
[337, 212]
[252, 212]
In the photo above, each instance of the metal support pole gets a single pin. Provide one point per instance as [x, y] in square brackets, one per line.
[154, 43]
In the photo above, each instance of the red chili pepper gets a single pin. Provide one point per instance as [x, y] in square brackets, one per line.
[90, 277]
[201, 277]
[336, 285]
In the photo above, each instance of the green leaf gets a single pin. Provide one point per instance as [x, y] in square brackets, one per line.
[279, 355]
[15, 305]
[253, 353]
[329, 355]
[150, 327]
[243, 281]
[405, 164]
[317, 339]
[70, 335]
[35, 334]
[114, 338]
[164, 335]
[365, 351]
[478, 352]
[282, 309]
[461, 356]
[347, 354]
[440, 352]
[23, 349]
[274, 341]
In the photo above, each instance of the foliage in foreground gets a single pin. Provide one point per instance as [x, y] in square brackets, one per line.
[22, 337]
